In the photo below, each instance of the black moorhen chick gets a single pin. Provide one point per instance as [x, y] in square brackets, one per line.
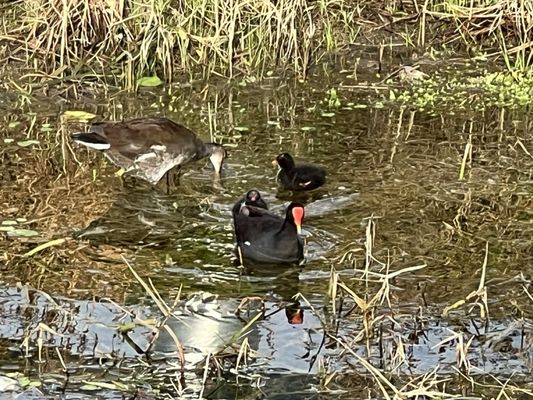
[148, 148]
[268, 238]
[252, 198]
[298, 177]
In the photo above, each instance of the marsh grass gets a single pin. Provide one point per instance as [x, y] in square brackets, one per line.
[126, 40]
[386, 333]
[506, 24]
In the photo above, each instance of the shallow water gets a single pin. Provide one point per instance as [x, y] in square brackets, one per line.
[393, 200]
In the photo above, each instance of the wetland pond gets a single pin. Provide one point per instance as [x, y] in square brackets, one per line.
[417, 279]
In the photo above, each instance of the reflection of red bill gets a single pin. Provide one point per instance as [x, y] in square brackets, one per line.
[296, 318]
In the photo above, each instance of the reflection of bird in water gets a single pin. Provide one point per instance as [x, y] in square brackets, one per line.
[205, 324]
[139, 217]
[147, 148]
[294, 314]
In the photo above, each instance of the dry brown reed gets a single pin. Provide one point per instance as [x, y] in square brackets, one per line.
[505, 24]
[371, 292]
[122, 41]
[127, 40]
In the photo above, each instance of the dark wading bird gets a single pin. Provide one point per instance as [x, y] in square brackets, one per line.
[267, 238]
[298, 177]
[147, 148]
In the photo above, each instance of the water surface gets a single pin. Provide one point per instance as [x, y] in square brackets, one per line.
[394, 199]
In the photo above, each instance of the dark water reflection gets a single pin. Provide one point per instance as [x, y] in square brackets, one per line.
[395, 168]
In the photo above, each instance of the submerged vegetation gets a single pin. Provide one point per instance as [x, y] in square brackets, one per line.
[427, 269]
[126, 42]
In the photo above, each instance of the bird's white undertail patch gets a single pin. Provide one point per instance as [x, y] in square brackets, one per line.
[96, 146]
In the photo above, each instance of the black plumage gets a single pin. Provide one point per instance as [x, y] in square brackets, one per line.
[267, 238]
[298, 177]
[252, 198]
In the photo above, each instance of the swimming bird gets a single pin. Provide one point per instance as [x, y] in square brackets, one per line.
[147, 148]
[252, 198]
[298, 177]
[268, 238]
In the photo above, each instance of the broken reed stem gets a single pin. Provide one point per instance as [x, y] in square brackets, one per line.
[369, 244]
[163, 307]
[165, 310]
[332, 289]
[480, 294]
[205, 376]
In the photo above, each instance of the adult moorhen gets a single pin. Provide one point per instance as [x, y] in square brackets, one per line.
[298, 177]
[267, 238]
[147, 148]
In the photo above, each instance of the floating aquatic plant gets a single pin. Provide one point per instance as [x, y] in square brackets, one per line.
[457, 93]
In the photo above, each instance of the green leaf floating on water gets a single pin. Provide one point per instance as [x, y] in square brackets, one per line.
[25, 381]
[124, 328]
[9, 222]
[78, 115]
[22, 233]
[27, 143]
[149, 81]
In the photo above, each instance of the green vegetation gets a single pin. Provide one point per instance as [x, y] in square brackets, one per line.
[129, 40]
[132, 43]
[457, 93]
[488, 23]
[428, 267]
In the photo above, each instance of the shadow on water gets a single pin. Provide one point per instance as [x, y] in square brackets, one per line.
[393, 200]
